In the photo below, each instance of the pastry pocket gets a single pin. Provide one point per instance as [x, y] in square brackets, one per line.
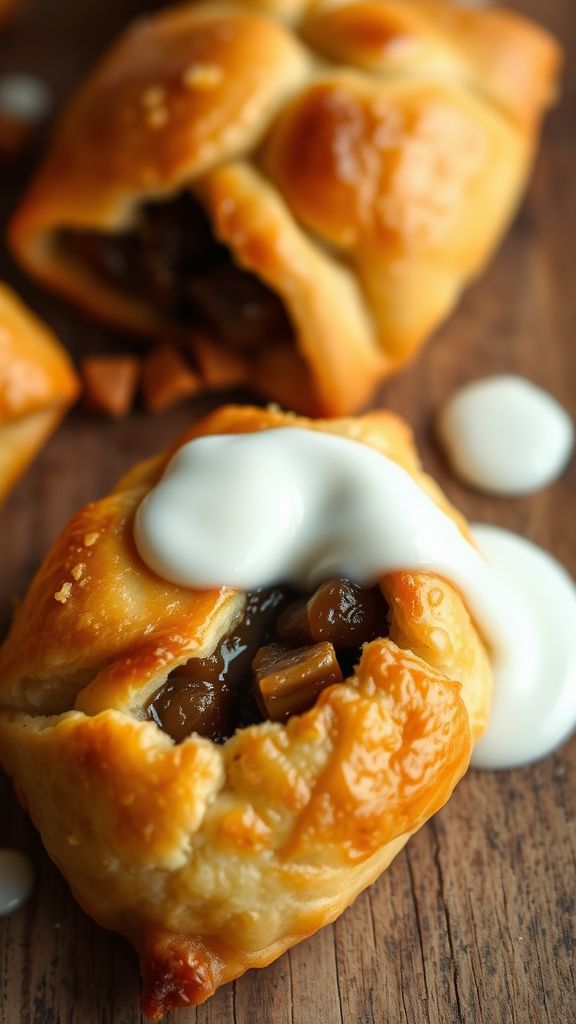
[309, 186]
[217, 773]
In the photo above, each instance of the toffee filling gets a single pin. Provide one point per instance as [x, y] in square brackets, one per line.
[276, 661]
[172, 259]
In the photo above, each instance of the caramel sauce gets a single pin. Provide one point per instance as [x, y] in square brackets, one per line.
[207, 695]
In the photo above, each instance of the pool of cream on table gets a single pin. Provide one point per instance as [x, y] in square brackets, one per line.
[503, 435]
[297, 506]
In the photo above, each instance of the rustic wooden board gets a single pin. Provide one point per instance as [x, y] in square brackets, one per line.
[474, 922]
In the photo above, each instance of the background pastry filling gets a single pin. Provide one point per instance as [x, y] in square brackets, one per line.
[172, 261]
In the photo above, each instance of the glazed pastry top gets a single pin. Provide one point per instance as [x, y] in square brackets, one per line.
[185, 92]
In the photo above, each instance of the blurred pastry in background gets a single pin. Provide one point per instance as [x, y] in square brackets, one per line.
[308, 186]
[37, 385]
[9, 9]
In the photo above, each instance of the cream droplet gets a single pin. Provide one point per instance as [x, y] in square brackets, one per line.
[24, 97]
[16, 880]
[506, 436]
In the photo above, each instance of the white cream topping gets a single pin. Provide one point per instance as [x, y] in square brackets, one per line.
[534, 704]
[299, 506]
[24, 97]
[504, 435]
[16, 880]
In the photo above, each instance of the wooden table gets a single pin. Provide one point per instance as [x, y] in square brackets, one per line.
[474, 921]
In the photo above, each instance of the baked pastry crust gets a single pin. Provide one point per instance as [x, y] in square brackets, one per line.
[8, 10]
[363, 159]
[37, 385]
[213, 859]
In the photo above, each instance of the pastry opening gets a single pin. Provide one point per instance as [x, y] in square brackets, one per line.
[55, 695]
[172, 260]
[275, 662]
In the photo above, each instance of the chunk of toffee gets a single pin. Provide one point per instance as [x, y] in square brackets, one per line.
[339, 611]
[167, 379]
[211, 695]
[110, 384]
[219, 367]
[289, 680]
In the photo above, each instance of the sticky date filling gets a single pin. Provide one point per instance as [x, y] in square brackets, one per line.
[283, 653]
[172, 259]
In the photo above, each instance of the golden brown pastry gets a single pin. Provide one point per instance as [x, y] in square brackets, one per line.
[37, 385]
[313, 181]
[213, 857]
[8, 9]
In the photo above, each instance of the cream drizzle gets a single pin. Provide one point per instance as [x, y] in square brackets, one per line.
[534, 705]
[299, 506]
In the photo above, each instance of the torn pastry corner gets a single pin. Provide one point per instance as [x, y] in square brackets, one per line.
[37, 385]
[178, 971]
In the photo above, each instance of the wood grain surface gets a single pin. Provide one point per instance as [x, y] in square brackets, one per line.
[474, 921]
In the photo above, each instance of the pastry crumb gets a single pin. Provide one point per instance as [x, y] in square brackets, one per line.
[63, 594]
[90, 539]
[157, 117]
[78, 570]
[153, 96]
[202, 76]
